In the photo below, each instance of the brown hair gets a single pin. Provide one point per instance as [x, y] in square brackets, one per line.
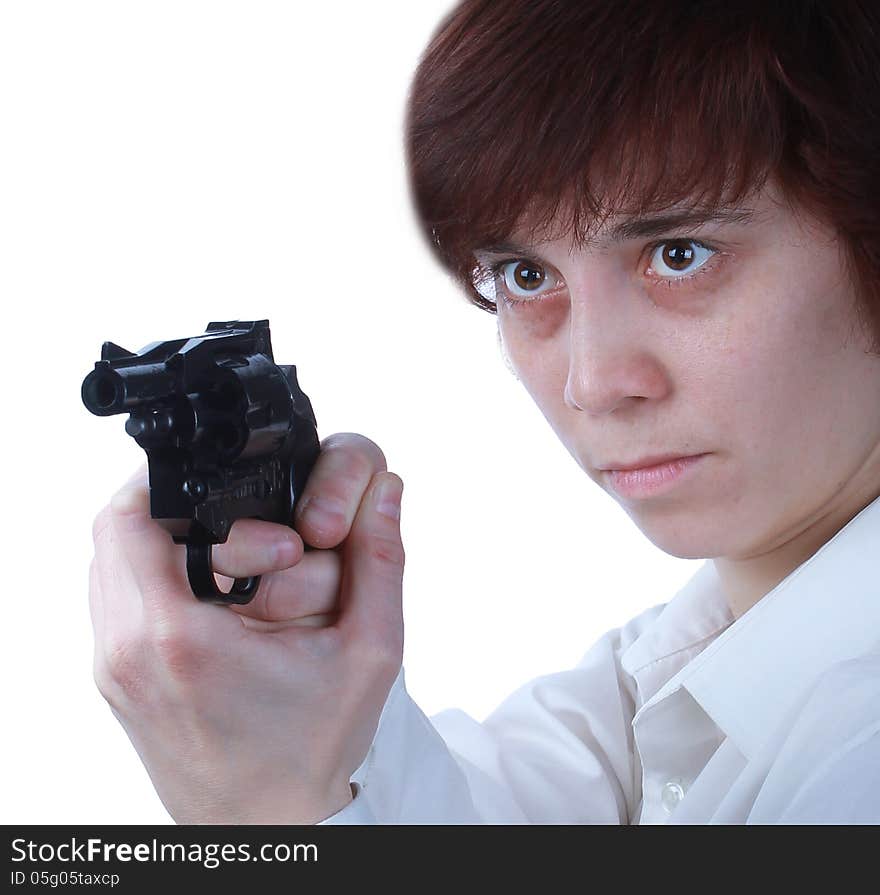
[571, 110]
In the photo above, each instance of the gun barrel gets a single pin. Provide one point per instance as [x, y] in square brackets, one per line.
[108, 390]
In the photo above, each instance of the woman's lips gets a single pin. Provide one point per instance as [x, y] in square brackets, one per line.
[647, 481]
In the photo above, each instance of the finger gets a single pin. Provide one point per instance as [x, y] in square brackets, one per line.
[335, 487]
[110, 574]
[100, 526]
[255, 547]
[152, 566]
[96, 603]
[308, 589]
[96, 612]
[372, 583]
[115, 622]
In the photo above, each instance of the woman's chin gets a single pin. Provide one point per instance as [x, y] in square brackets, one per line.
[685, 538]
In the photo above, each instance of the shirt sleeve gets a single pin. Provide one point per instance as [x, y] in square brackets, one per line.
[559, 750]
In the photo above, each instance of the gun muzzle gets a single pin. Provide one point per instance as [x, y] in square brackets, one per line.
[108, 390]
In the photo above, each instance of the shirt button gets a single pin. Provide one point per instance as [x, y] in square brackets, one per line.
[672, 794]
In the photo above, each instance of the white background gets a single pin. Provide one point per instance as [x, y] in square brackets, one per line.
[166, 164]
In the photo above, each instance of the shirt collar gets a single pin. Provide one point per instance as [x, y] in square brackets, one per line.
[693, 617]
[753, 672]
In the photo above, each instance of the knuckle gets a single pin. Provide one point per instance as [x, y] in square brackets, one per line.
[225, 557]
[339, 485]
[349, 471]
[121, 671]
[104, 682]
[330, 527]
[324, 644]
[384, 551]
[276, 596]
[129, 501]
[380, 658]
[178, 653]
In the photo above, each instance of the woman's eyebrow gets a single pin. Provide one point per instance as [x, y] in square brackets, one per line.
[644, 227]
[507, 248]
[662, 224]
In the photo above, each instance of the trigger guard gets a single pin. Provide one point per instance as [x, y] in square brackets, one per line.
[200, 571]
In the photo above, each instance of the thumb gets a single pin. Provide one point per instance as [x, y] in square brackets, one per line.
[371, 590]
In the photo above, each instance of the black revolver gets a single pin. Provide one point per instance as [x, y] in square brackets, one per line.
[228, 433]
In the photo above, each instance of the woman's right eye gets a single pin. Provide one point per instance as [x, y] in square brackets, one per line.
[521, 279]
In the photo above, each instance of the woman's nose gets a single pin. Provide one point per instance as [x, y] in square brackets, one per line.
[612, 361]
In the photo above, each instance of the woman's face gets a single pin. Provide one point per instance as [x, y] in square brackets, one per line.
[737, 340]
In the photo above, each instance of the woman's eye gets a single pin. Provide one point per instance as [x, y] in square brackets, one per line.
[678, 259]
[524, 279]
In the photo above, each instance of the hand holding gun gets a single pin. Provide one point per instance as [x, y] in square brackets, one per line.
[260, 710]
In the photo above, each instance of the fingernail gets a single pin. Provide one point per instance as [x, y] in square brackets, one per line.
[388, 498]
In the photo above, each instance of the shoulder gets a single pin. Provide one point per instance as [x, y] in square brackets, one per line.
[845, 700]
[843, 789]
[835, 741]
[597, 686]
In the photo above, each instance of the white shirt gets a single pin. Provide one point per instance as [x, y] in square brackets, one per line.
[683, 715]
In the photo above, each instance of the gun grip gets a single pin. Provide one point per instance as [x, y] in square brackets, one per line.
[200, 572]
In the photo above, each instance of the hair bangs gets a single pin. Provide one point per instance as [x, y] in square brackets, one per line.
[537, 117]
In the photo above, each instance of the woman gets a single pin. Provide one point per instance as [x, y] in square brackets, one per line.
[674, 211]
